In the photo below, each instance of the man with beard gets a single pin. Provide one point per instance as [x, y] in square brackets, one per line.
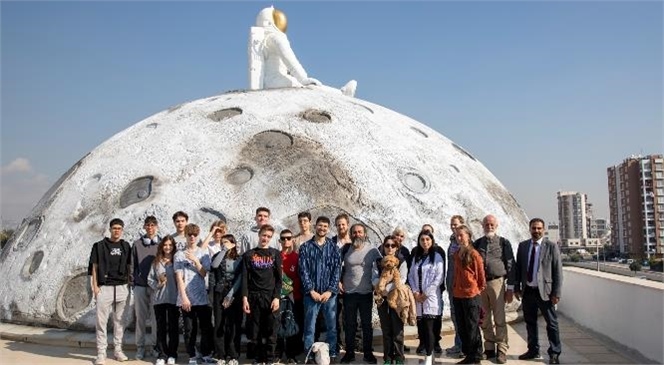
[357, 264]
[320, 269]
[342, 238]
[539, 279]
[341, 223]
[496, 252]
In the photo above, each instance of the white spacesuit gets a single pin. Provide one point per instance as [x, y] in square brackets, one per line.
[272, 63]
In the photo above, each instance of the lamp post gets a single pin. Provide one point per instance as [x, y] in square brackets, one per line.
[602, 241]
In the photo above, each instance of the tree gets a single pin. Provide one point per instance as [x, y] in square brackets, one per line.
[635, 266]
[5, 235]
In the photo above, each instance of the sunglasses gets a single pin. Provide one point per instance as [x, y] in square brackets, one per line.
[192, 235]
[387, 245]
[286, 238]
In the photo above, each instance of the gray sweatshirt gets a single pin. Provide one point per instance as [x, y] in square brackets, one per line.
[167, 294]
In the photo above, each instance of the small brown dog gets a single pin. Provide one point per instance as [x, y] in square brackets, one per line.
[401, 298]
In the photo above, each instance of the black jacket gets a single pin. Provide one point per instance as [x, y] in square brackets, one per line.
[102, 260]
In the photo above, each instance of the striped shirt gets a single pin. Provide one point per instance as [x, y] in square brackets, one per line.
[320, 266]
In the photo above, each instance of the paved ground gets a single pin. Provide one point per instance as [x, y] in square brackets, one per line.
[579, 347]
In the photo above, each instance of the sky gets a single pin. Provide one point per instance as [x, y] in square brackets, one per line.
[545, 94]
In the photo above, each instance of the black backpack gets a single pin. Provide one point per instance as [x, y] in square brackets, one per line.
[287, 325]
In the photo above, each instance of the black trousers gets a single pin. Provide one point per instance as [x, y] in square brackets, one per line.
[532, 301]
[262, 321]
[167, 317]
[392, 328]
[352, 304]
[198, 316]
[425, 333]
[467, 312]
[437, 329]
[227, 327]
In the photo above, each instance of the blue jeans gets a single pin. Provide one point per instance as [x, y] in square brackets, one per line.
[311, 309]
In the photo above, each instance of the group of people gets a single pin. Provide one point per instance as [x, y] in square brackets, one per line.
[289, 290]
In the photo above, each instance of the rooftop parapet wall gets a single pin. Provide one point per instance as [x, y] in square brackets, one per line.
[628, 310]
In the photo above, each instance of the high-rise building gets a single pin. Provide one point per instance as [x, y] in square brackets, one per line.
[552, 233]
[599, 227]
[572, 215]
[636, 202]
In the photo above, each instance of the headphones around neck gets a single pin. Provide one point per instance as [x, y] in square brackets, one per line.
[150, 241]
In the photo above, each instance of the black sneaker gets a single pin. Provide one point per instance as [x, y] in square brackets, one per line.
[489, 354]
[437, 349]
[347, 358]
[291, 361]
[370, 359]
[406, 348]
[553, 359]
[420, 350]
[530, 355]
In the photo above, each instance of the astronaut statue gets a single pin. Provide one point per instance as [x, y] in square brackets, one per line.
[272, 63]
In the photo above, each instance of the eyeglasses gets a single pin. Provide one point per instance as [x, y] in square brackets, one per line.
[286, 238]
[387, 245]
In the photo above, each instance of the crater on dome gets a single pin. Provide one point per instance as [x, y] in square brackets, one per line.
[223, 114]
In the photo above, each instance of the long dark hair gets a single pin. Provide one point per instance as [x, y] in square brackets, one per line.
[419, 251]
[466, 252]
[232, 253]
[160, 250]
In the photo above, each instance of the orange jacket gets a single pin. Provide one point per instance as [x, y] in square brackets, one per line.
[469, 281]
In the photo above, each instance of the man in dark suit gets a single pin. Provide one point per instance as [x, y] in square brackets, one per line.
[538, 280]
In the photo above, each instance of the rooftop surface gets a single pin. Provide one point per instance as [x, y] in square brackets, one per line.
[580, 346]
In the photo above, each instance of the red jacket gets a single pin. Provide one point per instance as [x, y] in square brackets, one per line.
[289, 267]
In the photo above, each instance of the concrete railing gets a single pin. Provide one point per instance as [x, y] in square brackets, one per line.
[627, 310]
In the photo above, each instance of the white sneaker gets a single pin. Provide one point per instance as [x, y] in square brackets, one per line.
[160, 362]
[232, 362]
[170, 361]
[192, 361]
[428, 360]
[120, 356]
[101, 359]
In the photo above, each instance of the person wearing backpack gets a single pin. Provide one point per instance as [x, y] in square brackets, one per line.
[496, 252]
[291, 323]
[225, 281]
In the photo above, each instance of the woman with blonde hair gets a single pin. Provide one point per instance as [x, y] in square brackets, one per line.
[469, 281]
[212, 241]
